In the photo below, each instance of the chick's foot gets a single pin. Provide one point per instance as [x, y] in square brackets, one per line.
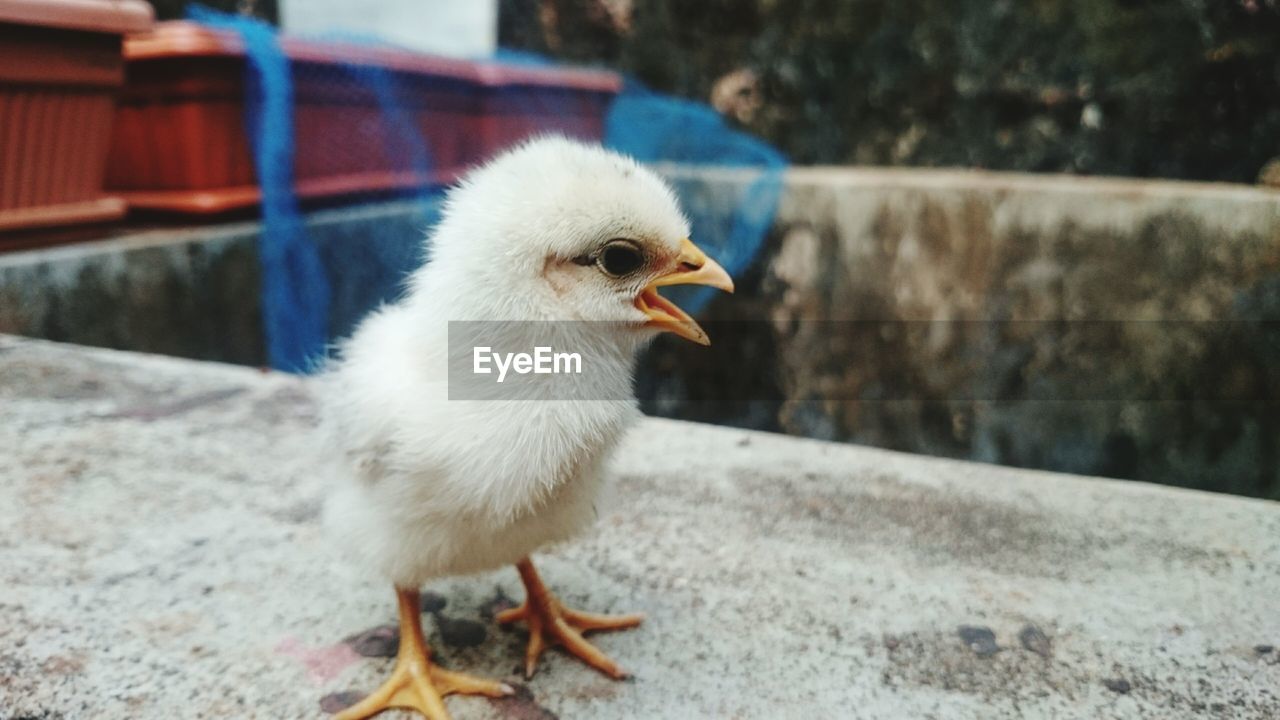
[550, 622]
[416, 683]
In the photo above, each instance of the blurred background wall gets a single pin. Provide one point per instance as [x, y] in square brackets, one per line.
[1149, 88]
[177, 9]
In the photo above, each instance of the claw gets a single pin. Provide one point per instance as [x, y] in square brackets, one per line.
[549, 622]
[416, 683]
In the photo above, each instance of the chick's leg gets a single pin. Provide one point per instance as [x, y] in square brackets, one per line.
[550, 622]
[416, 683]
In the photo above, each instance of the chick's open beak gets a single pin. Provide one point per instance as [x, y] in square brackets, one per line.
[693, 267]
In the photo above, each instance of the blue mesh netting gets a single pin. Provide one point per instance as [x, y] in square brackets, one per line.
[312, 293]
[656, 128]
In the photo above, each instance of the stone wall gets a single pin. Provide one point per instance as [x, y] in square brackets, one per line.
[194, 292]
[1111, 327]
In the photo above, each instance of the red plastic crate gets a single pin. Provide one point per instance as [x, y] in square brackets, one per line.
[522, 101]
[60, 70]
[180, 142]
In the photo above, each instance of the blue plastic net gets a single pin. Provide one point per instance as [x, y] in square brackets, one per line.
[656, 128]
[314, 293]
[294, 288]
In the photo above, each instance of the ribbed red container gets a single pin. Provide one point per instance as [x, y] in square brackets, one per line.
[522, 101]
[180, 142]
[60, 70]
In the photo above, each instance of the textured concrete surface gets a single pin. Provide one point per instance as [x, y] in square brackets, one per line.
[160, 557]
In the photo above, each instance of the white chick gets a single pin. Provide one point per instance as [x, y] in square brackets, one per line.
[429, 486]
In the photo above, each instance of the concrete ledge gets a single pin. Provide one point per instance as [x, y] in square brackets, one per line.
[160, 557]
[195, 292]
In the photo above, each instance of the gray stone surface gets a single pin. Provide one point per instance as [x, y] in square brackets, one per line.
[160, 557]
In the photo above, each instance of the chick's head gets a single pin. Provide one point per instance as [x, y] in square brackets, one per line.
[558, 230]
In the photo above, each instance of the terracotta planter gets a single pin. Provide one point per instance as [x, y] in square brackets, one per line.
[60, 70]
[180, 142]
[522, 101]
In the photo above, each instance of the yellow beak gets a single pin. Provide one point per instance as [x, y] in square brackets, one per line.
[692, 268]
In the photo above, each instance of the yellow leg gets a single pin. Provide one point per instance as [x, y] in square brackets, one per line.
[549, 621]
[416, 683]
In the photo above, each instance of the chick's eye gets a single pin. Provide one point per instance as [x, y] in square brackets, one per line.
[620, 258]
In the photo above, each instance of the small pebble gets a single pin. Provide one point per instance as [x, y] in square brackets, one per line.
[382, 641]
[981, 640]
[432, 602]
[521, 704]
[460, 633]
[1034, 639]
[1119, 685]
[339, 701]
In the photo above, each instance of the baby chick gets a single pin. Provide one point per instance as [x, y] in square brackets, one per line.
[429, 485]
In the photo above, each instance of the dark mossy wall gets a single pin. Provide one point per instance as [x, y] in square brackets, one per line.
[1148, 88]
[177, 9]
[1120, 328]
